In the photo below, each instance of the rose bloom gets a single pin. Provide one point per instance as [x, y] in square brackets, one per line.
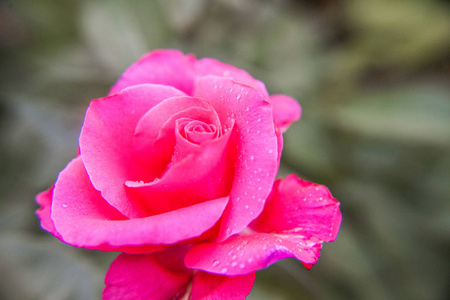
[176, 170]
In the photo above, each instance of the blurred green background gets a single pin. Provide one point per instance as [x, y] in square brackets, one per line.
[372, 76]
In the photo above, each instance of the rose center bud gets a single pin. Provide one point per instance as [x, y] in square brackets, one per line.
[183, 144]
[196, 131]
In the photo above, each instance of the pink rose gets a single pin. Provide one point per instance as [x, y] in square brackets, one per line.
[177, 170]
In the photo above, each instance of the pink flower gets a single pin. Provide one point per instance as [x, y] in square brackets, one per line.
[177, 170]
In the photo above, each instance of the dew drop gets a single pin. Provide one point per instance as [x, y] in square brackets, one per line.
[234, 257]
[241, 266]
[259, 188]
[270, 151]
[246, 207]
[247, 109]
[64, 205]
[228, 231]
[233, 264]
[252, 157]
[224, 270]
[238, 97]
[215, 263]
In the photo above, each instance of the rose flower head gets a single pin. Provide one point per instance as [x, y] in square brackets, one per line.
[176, 170]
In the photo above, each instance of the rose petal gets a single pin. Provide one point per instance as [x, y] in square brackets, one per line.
[246, 254]
[85, 219]
[300, 207]
[256, 163]
[44, 199]
[207, 286]
[106, 140]
[167, 67]
[286, 110]
[210, 66]
[134, 277]
[197, 174]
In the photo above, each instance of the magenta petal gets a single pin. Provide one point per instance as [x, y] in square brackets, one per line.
[199, 175]
[85, 219]
[300, 207]
[211, 66]
[246, 254]
[167, 67]
[256, 142]
[44, 199]
[134, 277]
[106, 140]
[286, 110]
[207, 286]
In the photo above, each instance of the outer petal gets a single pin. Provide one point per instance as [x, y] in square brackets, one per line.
[167, 67]
[256, 163]
[106, 140]
[44, 199]
[134, 277]
[286, 110]
[207, 286]
[300, 207]
[210, 66]
[246, 254]
[85, 219]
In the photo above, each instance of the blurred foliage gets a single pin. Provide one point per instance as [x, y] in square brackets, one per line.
[373, 80]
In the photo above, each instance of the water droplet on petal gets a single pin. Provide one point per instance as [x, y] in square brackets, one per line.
[64, 205]
[241, 266]
[252, 157]
[224, 270]
[228, 231]
[233, 264]
[216, 263]
[247, 109]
